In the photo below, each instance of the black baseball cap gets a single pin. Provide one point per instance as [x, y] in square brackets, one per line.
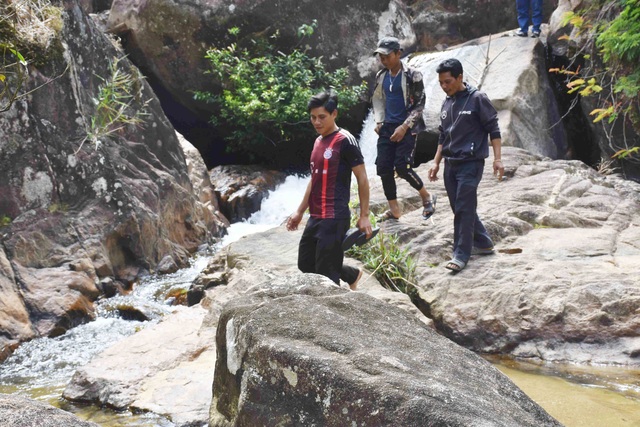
[386, 45]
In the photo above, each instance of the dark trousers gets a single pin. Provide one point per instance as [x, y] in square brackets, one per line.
[349, 274]
[398, 157]
[523, 7]
[461, 181]
[320, 249]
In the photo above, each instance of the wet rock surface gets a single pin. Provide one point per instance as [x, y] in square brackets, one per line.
[242, 188]
[17, 411]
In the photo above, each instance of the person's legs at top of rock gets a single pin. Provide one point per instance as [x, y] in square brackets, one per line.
[522, 7]
[536, 17]
[329, 254]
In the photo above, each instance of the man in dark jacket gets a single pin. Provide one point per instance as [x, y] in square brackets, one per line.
[468, 121]
[398, 100]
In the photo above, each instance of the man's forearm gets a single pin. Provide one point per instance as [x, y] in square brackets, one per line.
[497, 148]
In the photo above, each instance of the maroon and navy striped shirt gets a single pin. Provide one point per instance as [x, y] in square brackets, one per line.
[332, 159]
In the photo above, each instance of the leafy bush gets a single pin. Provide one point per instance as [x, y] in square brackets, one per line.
[264, 92]
[4, 221]
[609, 54]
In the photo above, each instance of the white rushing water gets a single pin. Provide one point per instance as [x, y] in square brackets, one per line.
[50, 362]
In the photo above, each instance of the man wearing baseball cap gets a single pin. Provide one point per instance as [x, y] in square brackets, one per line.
[398, 100]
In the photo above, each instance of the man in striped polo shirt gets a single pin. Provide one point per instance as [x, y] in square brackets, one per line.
[336, 154]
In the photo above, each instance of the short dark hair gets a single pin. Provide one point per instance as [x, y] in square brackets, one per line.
[327, 99]
[451, 65]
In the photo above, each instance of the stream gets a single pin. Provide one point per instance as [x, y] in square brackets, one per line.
[578, 396]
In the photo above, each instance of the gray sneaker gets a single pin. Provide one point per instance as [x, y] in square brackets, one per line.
[535, 34]
[521, 33]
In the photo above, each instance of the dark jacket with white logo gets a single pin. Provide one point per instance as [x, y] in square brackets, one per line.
[467, 119]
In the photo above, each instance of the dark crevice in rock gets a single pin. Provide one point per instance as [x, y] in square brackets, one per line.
[582, 142]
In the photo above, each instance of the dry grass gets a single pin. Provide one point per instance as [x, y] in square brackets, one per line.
[34, 23]
[605, 166]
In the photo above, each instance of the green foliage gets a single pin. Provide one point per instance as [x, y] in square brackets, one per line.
[307, 30]
[610, 55]
[4, 221]
[620, 40]
[264, 92]
[391, 265]
[119, 104]
[13, 74]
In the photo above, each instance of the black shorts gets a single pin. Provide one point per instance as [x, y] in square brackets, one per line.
[320, 250]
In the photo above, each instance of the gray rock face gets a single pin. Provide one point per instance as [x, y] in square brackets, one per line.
[450, 23]
[16, 411]
[563, 285]
[79, 211]
[568, 44]
[170, 38]
[300, 351]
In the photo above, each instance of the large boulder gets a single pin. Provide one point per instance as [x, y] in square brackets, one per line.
[438, 23]
[87, 202]
[175, 380]
[241, 188]
[563, 285]
[301, 351]
[201, 182]
[17, 411]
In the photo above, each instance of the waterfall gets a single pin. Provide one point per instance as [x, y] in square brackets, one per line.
[285, 199]
[368, 140]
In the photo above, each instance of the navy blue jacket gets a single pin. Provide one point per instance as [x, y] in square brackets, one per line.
[467, 120]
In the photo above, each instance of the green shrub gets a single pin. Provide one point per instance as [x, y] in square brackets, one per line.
[391, 265]
[610, 53]
[264, 92]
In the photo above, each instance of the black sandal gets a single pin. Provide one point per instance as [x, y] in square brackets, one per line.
[429, 207]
